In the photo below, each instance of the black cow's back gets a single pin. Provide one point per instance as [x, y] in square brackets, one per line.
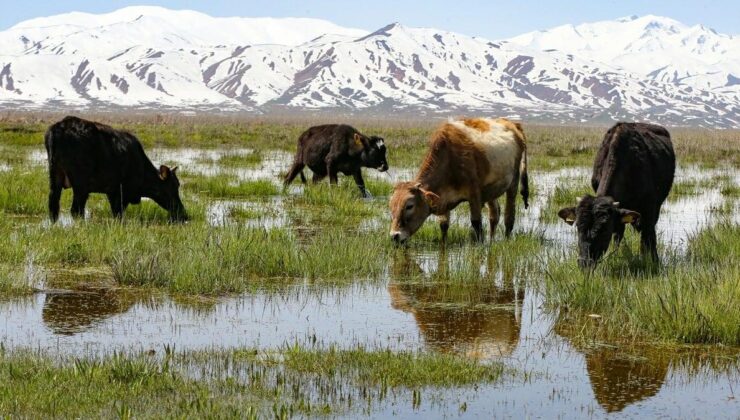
[93, 156]
[635, 165]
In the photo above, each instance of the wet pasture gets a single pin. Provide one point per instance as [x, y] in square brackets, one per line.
[484, 303]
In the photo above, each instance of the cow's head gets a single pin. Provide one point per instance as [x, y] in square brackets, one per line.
[168, 194]
[595, 219]
[410, 206]
[372, 151]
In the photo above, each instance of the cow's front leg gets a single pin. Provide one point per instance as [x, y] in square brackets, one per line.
[360, 182]
[494, 212]
[444, 226]
[510, 210]
[79, 199]
[618, 233]
[475, 218]
[116, 204]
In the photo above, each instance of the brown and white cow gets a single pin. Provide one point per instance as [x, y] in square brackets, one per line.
[475, 160]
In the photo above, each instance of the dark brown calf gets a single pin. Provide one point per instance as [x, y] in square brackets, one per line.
[333, 148]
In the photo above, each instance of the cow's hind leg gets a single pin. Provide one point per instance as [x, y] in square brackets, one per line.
[56, 185]
[494, 211]
[317, 177]
[79, 200]
[510, 211]
[649, 242]
[55, 194]
[475, 218]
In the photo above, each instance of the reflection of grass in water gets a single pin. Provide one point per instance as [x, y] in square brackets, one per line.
[690, 299]
[241, 383]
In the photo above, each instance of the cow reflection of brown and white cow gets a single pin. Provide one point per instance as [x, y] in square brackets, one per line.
[477, 320]
[71, 313]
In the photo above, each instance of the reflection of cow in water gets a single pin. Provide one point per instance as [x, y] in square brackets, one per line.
[75, 312]
[477, 319]
[618, 381]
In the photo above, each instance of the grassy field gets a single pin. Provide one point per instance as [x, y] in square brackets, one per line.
[690, 298]
[271, 237]
[240, 383]
[550, 147]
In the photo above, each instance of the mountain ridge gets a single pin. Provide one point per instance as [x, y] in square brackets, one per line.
[188, 60]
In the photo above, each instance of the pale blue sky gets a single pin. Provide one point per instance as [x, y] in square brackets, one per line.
[489, 19]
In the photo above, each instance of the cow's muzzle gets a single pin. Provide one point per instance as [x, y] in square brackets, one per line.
[383, 167]
[399, 238]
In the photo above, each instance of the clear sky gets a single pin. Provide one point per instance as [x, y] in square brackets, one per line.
[490, 19]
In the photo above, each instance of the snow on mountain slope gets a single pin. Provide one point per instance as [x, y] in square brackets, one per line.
[153, 57]
[694, 56]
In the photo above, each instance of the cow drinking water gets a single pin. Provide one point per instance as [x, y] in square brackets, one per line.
[330, 149]
[474, 160]
[633, 174]
[90, 157]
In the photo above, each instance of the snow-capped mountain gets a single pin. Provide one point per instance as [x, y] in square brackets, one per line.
[646, 68]
[654, 47]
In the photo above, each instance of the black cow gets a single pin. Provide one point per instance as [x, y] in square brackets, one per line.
[332, 148]
[633, 174]
[90, 157]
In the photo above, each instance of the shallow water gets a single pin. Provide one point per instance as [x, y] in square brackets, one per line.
[502, 321]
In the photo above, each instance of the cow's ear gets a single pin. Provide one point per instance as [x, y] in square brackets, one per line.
[568, 214]
[432, 199]
[628, 216]
[359, 143]
[164, 172]
[174, 169]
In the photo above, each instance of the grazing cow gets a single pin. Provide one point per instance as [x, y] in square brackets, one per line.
[633, 174]
[90, 157]
[474, 160]
[332, 148]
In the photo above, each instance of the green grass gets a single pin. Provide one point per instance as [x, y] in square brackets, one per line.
[386, 368]
[236, 384]
[565, 194]
[13, 282]
[223, 186]
[550, 147]
[690, 299]
[235, 160]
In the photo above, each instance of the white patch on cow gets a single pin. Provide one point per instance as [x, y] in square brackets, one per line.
[380, 143]
[501, 149]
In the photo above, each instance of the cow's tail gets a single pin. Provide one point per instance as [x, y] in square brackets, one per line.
[524, 179]
[297, 167]
[523, 176]
[49, 138]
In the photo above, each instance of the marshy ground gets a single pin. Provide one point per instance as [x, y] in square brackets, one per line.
[293, 302]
